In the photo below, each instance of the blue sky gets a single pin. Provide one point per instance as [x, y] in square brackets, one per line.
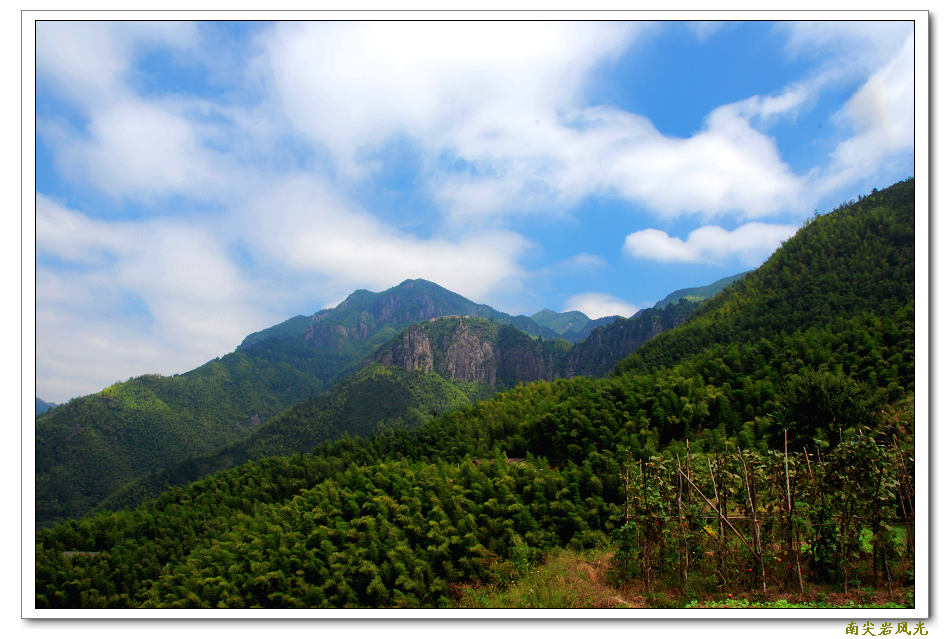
[196, 182]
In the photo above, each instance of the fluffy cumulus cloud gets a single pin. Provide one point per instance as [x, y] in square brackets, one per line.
[120, 142]
[597, 305]
[349, 86]
[748, 244]
[302, 224]
[504, 129]
[876, 124]
[120, 299]
[136, 149]
[92, 62]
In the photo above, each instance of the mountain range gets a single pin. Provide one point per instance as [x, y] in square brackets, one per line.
[150, 425]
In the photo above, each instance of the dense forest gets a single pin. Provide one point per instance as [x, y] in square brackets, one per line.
[142, 435]
[146, 423]
[766, 444]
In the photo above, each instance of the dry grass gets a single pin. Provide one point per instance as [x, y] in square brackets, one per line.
[566, 579]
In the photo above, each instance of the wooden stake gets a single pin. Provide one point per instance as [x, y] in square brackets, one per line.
[791, 528]
[723, 519]
[755, 523]
[680, 522]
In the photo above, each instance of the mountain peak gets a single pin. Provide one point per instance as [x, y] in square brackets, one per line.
[417, 283]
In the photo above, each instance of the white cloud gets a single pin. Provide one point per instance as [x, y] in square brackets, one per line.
[123, 299]
[767, 108]
[881, 117]
[136, 149]
[352, 86]
[582, 261]
[847, 50]
[302, 224]
[89, 62]
[597, 305]
[728, 166]
[505, 130]
[749, 244]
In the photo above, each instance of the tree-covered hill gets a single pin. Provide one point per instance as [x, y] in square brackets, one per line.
[442, 355]
[623, 335]
[567, 323]
[407, 517]
[99, 444]
[606, 345]
[96, 444]
[373, 400]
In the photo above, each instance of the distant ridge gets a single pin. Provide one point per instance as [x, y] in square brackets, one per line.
[574, 326]
[699, 293]
[43, 406]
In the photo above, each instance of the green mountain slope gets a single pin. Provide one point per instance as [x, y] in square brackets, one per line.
[429, 368]
[475, 354]
[100, 442]
[607, 345]
[375, 399]
[403, 517]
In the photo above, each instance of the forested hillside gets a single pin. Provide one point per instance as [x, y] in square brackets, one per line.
[606, 345]
[815, 348]
[155, 425]
[374, 400]
[444, 356]
[98, 443]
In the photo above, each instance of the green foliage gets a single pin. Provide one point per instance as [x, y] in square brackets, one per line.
[375, 400]
[600, 352]
[97, 444]
[564, 324]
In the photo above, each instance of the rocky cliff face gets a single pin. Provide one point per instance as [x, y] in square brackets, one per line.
[477, 350]
[412, 350]
[471, 350]
[470, 357]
